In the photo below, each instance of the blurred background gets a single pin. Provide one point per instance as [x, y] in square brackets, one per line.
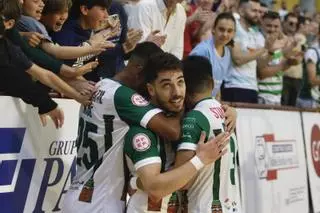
[305, 5]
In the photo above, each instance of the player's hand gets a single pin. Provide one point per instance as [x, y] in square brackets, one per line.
[34, 38]
[231, 117]
[56, 116]
[213, 149]
[154, 37]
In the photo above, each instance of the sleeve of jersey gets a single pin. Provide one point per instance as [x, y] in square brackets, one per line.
[141, 147]
[133, 108]
[193, 124]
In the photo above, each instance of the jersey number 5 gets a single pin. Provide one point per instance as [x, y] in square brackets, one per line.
[90, 155]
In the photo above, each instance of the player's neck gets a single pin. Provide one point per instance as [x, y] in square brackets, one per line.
[196, 98]
[124, 78]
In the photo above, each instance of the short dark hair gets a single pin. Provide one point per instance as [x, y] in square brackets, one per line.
[271, 15]
[197, 71]
[158, 63]
[246, 1]
[143, 51]
[10, 9]
[75, 9]
[290, 15]
[54, 6]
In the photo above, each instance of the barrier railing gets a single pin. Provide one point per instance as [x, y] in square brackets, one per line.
[279, 153]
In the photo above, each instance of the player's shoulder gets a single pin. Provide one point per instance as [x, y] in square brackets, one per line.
[139, 139]
[194, 115]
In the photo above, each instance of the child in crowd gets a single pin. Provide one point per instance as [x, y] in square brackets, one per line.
[29, 22]
[13, 58]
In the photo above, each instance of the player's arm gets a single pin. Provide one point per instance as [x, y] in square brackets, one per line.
[158, 185]
[134, 109]
[168, 128]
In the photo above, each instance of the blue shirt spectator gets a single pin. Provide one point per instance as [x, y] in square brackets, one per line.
[220, 65]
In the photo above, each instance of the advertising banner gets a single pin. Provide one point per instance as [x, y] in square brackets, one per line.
[36, 163]
[272, 162]
[311, 127]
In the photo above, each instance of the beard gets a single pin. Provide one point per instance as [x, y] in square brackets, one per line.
[250, 21]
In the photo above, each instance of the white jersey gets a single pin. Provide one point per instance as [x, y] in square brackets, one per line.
[215, 185]
[99, 182]
[143, 147]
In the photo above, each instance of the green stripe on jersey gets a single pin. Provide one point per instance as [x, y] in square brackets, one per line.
[216, 180]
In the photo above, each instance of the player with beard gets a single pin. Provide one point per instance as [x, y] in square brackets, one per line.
[148, 157]
[249, 45]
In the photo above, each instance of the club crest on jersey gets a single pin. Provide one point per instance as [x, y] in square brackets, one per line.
[138, 100]
[141, 142]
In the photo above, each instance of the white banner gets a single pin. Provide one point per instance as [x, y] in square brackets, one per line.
[36, 163]
[272, 162]
[311, 127]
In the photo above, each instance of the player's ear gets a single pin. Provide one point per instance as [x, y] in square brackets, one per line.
[150, 89]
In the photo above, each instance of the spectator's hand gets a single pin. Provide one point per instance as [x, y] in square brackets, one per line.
[133, 37]
[272, 43]
[101, 36]
[99, 47]
[84, 87]
[231, 117]
[159, 40]
[88, 67]
[213, 149]
[56, 116]
[295, 60]
[84, 99]
[202, 15]
[34, 38]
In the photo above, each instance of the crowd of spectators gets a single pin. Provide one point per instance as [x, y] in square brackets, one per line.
[258, 55]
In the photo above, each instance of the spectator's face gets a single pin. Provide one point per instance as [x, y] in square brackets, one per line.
[224, 31]
[250, 12]
[272, 27]
[95, 16]
[205, 4]
[168, 90]
[54, 21]
[291, 25]
[33, 8]
[262, 11]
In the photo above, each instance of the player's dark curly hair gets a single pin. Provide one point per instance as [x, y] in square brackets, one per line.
[197, 72]
[160, 62]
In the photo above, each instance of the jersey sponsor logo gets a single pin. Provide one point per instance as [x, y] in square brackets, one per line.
[315, 148]
[141, 142]
[138, 100]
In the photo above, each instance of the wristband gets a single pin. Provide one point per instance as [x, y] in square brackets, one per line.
[133, 183]
[197, 163]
